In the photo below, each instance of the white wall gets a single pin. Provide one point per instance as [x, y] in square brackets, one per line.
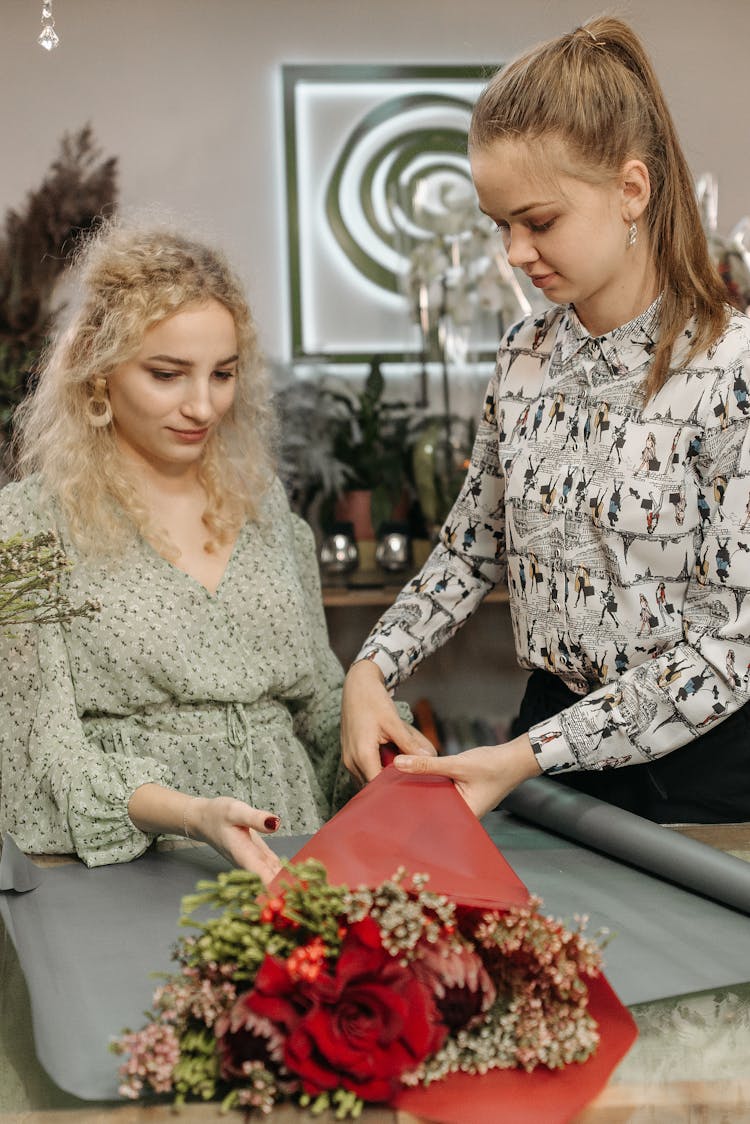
[187, 94]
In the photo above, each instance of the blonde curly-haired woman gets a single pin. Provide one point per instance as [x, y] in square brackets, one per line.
[203, 698]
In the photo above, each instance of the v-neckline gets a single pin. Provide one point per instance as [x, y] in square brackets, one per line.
[213, 595]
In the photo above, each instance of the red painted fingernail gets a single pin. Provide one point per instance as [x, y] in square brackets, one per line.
[271, 823]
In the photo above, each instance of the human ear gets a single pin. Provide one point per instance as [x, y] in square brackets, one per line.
[635, 189]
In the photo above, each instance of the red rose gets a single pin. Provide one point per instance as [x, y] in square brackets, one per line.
[276, 996]
[368, 1023]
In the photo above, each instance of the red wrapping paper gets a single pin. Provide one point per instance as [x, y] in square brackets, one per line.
[424, 825]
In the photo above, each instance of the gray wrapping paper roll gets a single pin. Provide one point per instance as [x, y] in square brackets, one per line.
[642, 843]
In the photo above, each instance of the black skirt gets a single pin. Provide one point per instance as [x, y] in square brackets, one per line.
[705, 781]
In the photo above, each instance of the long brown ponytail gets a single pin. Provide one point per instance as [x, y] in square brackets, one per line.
[596, 90]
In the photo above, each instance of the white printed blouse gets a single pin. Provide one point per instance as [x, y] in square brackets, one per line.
[622, 530]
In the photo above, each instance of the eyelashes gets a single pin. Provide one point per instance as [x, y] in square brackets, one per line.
[535, 227]
[169, 376]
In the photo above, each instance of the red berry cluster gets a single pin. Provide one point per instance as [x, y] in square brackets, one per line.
[273, 914]
[307, 961]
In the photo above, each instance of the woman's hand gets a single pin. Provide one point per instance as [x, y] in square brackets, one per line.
[369, 718]
[232, 828]
[235, 830]
[484, 776]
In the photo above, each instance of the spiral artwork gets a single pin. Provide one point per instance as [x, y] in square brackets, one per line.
[376, 167]
[401, 177]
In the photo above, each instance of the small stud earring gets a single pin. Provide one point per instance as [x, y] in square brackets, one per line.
[632, 234]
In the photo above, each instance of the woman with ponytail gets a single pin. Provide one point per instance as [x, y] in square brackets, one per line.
[640, 671]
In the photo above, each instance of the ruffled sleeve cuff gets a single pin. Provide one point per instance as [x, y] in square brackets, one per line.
[97, 810]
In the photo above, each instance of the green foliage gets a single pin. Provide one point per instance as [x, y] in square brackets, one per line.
[308, 418]
[196, 1073]
[344, 1105]
[372, 438]
[236, 933]
[336, 437]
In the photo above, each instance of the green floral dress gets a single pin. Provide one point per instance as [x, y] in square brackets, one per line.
[236, 692]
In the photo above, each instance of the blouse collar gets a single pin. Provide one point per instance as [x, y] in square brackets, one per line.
[624, 348]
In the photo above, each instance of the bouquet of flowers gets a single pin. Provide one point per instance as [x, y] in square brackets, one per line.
[336, 996]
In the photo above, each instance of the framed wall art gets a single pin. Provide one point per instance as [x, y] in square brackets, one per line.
[376, 164]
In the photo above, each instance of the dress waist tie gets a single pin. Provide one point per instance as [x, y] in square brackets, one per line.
[238, 736]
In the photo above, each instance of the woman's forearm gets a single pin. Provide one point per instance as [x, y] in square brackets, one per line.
[158, 810]
[230, 826]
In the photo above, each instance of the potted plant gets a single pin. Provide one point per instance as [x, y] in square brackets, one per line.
[308, 418]
[349, 455]
[371, 438]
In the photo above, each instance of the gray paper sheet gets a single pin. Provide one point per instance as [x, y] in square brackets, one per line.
[89, 941]
[665, 940]
[636, 841]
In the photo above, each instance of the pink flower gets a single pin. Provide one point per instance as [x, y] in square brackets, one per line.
[458, 979]
[154, 1053]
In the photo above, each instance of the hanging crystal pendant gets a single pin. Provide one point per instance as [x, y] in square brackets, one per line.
[48, 37]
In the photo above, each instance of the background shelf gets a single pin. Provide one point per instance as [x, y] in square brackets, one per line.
[342, 596]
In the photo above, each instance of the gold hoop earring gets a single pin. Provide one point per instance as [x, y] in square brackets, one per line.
[632, 234]
[98, 409]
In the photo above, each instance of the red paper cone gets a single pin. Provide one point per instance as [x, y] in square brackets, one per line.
[420, 823]
[424, 825]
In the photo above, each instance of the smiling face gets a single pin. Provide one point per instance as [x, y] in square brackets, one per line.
[168, 400]
[567, 234]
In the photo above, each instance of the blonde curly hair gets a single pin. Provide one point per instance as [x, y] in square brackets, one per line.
[130, 279]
